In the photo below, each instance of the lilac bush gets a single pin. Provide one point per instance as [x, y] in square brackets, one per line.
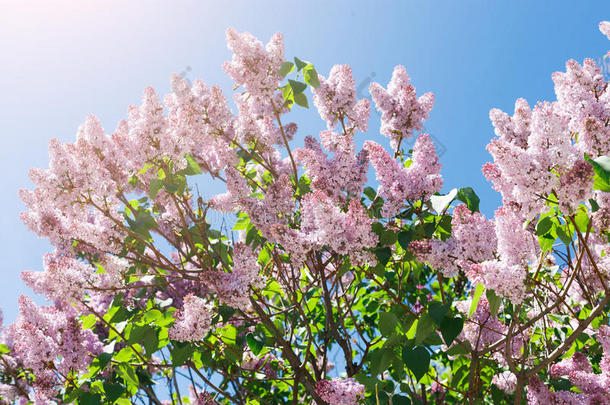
[326, 290]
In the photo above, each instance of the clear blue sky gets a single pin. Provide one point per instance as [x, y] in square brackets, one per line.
[62, 60]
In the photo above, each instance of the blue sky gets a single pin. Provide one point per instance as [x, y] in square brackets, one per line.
[63, 60]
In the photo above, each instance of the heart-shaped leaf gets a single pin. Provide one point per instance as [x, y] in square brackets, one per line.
[451, 328]
[417, 360]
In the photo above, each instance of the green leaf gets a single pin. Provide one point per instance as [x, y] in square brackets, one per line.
[582, 219]
[461, 348]
[433, 340]
[380, 360]
[494, 302]
[475, 299]
[151, 342]
[387, 323]
[297, 87]
[180, 353]
[497, 395]
[128, 374]
[387, 238]
[370, 193]
[155, 186]
[286, 68]
[405, 237]
[444, 225]
[147, 335]
[417, 360]
[113, 391]
[226, 312]
[451, 328]
[143, 224]
[301, 99]
[543, 226]
[383, 255]
[438, 311]
[400, 400]
[599, 184]
[425, 327]
[102, 359]
[192, 167]
[124, 355]
[138, 333]
[546, 242]
[378, 228]
[89, 321]
[468, 196]
[256, 342]
[287, 94]
[152, 316]
[565, 238]
[88, 398]
[311, 76]
[177, 184]
[300, 64]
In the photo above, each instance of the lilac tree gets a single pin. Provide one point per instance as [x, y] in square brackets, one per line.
[326, 290]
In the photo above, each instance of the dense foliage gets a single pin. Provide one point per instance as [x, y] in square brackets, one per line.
[326, 290]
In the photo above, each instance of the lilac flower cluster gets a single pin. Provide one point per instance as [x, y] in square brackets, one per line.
[402, 112]
[398, 184]
[51, 342]
[194, 320]
[540, 151]
[473, 241]
[594, 388]
[336, 101]
[340, 391]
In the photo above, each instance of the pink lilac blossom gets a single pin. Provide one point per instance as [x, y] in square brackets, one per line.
[258, 130]
[46, 339]
[506, 381]
[340, 391]
[347, 233]
[437, 253]
[261, 363]
[601, 218]
[473, 241]
[578, 370]
[64, 278]
[540, 151]
[336, 102]
[516, 244]
[199, 121]
[402, 112]
[341, 177]
[516, 248]
[398, 184]
[539, 394]
[582, 98]
[482, 329]
[194, 320]
[575, 185]
[254, 66]
[233, 288]
[274, 208]
[200, 398]
[505, 279]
